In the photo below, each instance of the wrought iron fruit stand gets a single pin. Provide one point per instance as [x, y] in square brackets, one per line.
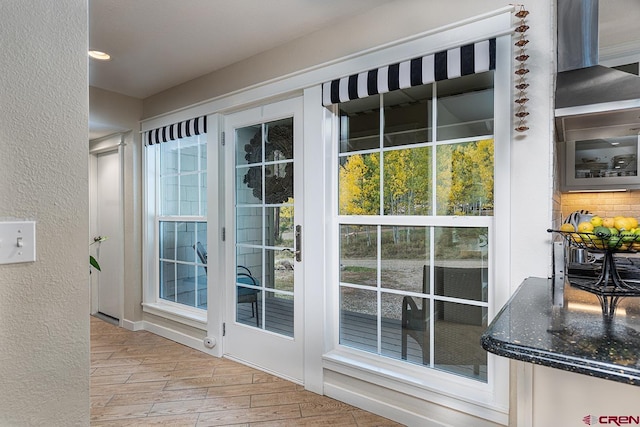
[609, 287]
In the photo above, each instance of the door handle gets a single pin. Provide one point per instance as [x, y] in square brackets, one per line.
[298, 243]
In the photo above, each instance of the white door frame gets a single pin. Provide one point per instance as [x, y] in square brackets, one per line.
[114, 142]
[294, 346]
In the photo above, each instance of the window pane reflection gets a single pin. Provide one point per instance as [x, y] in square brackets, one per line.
[407, 116]
[360, 124]
[279, 144]
[167, 280]
[359, 185]
[465, 107]
[170, 201]
[249, 185]
[358, 324]
[405, 258]
[415, 330]
[465, 178]
[278, 315]
[248, 306]
[458, 328]
[278, 182]
[407, 182]
[358, 254]
[249, 145]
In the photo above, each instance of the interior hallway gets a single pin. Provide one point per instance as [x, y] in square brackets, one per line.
[141, 379]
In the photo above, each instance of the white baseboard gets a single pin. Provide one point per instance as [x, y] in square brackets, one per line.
[179, 337]
[132, 326]
[378, 407]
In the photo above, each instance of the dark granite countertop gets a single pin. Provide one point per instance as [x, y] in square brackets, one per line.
[571, 334]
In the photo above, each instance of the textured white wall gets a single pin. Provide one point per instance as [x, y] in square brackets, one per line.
[44, 305]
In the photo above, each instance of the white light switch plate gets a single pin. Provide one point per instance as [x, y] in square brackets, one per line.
[17, 242]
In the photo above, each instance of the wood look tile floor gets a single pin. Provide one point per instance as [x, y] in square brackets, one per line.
[141, 379]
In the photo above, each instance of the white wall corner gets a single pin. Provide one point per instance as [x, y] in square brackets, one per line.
[133, 326]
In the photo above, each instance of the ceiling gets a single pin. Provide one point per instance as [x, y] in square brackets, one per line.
[158, 44]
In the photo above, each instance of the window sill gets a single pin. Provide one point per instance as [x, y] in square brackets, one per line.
[458, 393]
[187, 316]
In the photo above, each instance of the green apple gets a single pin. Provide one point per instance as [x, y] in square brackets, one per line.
[602, 232]
[614, 241]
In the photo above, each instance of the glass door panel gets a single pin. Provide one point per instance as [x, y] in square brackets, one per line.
[264, 189]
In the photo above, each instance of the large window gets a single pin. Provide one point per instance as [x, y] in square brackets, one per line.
[181, 182]
[415, 206]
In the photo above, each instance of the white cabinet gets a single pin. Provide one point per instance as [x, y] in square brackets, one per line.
[601, 164]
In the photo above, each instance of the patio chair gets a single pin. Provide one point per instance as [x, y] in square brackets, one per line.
[459, 324]
[415, 322]
[248, 295]
[202, 254]
[243, 276]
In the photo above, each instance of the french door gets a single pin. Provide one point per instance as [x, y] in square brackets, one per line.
[263, 183]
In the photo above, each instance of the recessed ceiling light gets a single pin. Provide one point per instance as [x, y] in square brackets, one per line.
[101, 56]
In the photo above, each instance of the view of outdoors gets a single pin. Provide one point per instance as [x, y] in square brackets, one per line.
[413, 281]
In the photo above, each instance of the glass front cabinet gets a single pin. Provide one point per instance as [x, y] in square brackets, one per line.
[601, 164]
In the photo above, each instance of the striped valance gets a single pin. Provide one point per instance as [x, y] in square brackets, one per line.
[179, 130]
[448, 64]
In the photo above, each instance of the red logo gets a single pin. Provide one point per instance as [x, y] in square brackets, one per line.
[616, 420]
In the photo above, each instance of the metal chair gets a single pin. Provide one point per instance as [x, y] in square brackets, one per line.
[415, 322]
[248, 295]
[202, 254]
[243, 276]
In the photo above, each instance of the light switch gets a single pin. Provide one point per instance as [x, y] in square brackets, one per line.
[17, 241]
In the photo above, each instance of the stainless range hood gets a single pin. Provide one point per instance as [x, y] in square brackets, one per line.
[592, 101]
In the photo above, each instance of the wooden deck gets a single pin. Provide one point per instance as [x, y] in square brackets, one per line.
[457, 345]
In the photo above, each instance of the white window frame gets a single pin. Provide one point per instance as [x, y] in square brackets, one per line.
[488, 400]
[152, 303]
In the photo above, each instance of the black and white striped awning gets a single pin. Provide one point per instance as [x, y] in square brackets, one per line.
[175, 131]
[448, 64]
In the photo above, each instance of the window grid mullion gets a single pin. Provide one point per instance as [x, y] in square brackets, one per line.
[195, 254]
[434, 155]
[199, 177]
[380, 155]
[432, 292]
[379, 287]
[263, 220]
[175, 264]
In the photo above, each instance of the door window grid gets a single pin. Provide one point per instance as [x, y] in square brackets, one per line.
[181, 223]
[364, 155]
[264, 220]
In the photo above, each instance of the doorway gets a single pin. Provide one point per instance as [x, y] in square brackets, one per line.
[106, 233]
[263, 307]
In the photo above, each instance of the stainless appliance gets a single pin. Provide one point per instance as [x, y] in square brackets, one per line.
[592, 101]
